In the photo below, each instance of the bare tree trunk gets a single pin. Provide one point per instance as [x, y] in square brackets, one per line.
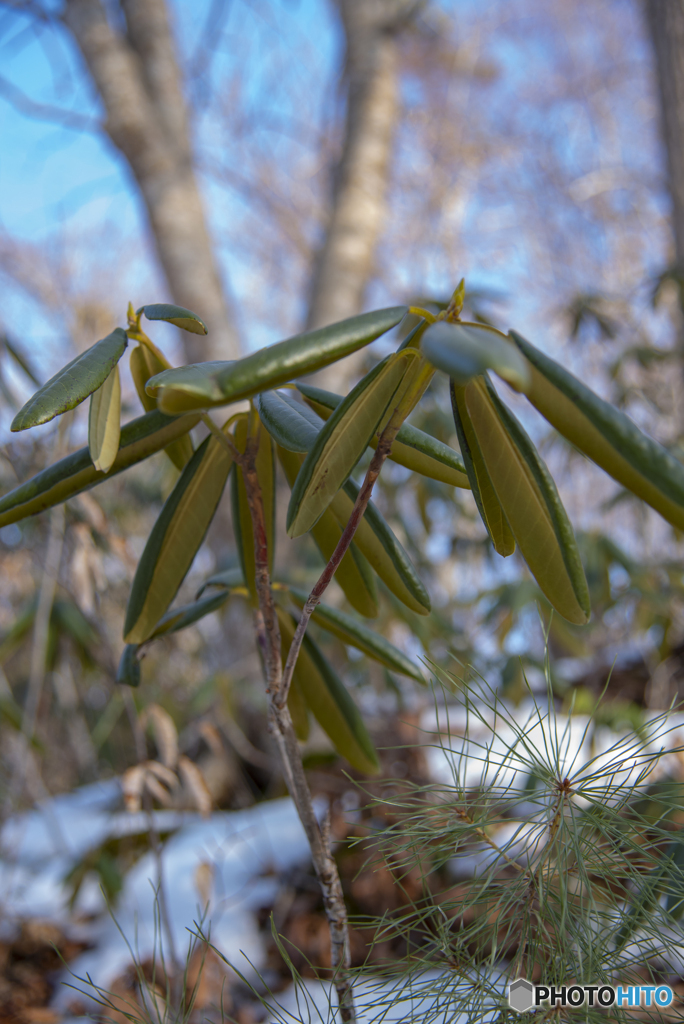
[344, 263]
[665, 20]
[139, 82]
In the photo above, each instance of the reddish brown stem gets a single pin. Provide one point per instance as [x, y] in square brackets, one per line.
[361, 504]
[282, 730]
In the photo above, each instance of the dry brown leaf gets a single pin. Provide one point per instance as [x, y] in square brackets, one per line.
[40, 1015]
[157, 791]
[165, 733]
[122, 1004]
[212, 738]
[156, 1005]
[92, 512]
[193, 780]
[133, 784]
[207, 981]
[80, 570]
[163, 773]
[204, 881]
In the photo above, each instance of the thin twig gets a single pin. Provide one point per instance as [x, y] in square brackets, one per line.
[381, 452]
[225, 439]
[282, 730]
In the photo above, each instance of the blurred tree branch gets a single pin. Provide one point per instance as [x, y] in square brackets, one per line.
[139, 82]
[46, 111]
[344, 263]
[665, 19]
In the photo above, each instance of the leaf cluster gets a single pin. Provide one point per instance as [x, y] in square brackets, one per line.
[319, 440]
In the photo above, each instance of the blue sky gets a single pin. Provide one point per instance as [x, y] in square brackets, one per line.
[67, 186]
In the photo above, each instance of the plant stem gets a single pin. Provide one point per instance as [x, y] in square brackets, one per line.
[282, 731]
[381, 452]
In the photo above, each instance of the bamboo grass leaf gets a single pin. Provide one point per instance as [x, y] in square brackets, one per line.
[177, 315]
[353, 575]
[330, 702]
[175, 538]
[139, 439]
[530, 502]
[488, 504]
[344, 439]
[204, 385]
[104, 422]
[73, 383]
[605, 435]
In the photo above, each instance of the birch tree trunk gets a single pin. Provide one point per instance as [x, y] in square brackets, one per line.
[665, 19]
[344, 263]
[138, 79]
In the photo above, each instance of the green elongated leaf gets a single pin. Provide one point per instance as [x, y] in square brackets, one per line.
[140, 439]
[330, 702]
[412, 339]
[605, 435]
[530, 502]
[208, 384]
[488, 505]
[74, 382]
[290, 423]
[190, 387]
[376, 541]
[178, 315]
[175, 538]
[143, 365]
[353, 574]
[144, 362]
[464, 351]
[172, 622]
[355, 634]
[187, 614]
[413, 448]
[128, 672]
[104, 422]
[343, 440]
[231, 579]
[242, 519]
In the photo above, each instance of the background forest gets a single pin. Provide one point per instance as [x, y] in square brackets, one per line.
[275, 166]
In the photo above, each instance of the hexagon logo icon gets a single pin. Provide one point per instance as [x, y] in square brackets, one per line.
[521, 995]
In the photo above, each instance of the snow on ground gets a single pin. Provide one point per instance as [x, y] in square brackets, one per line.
[233, 858]
[222, 869]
